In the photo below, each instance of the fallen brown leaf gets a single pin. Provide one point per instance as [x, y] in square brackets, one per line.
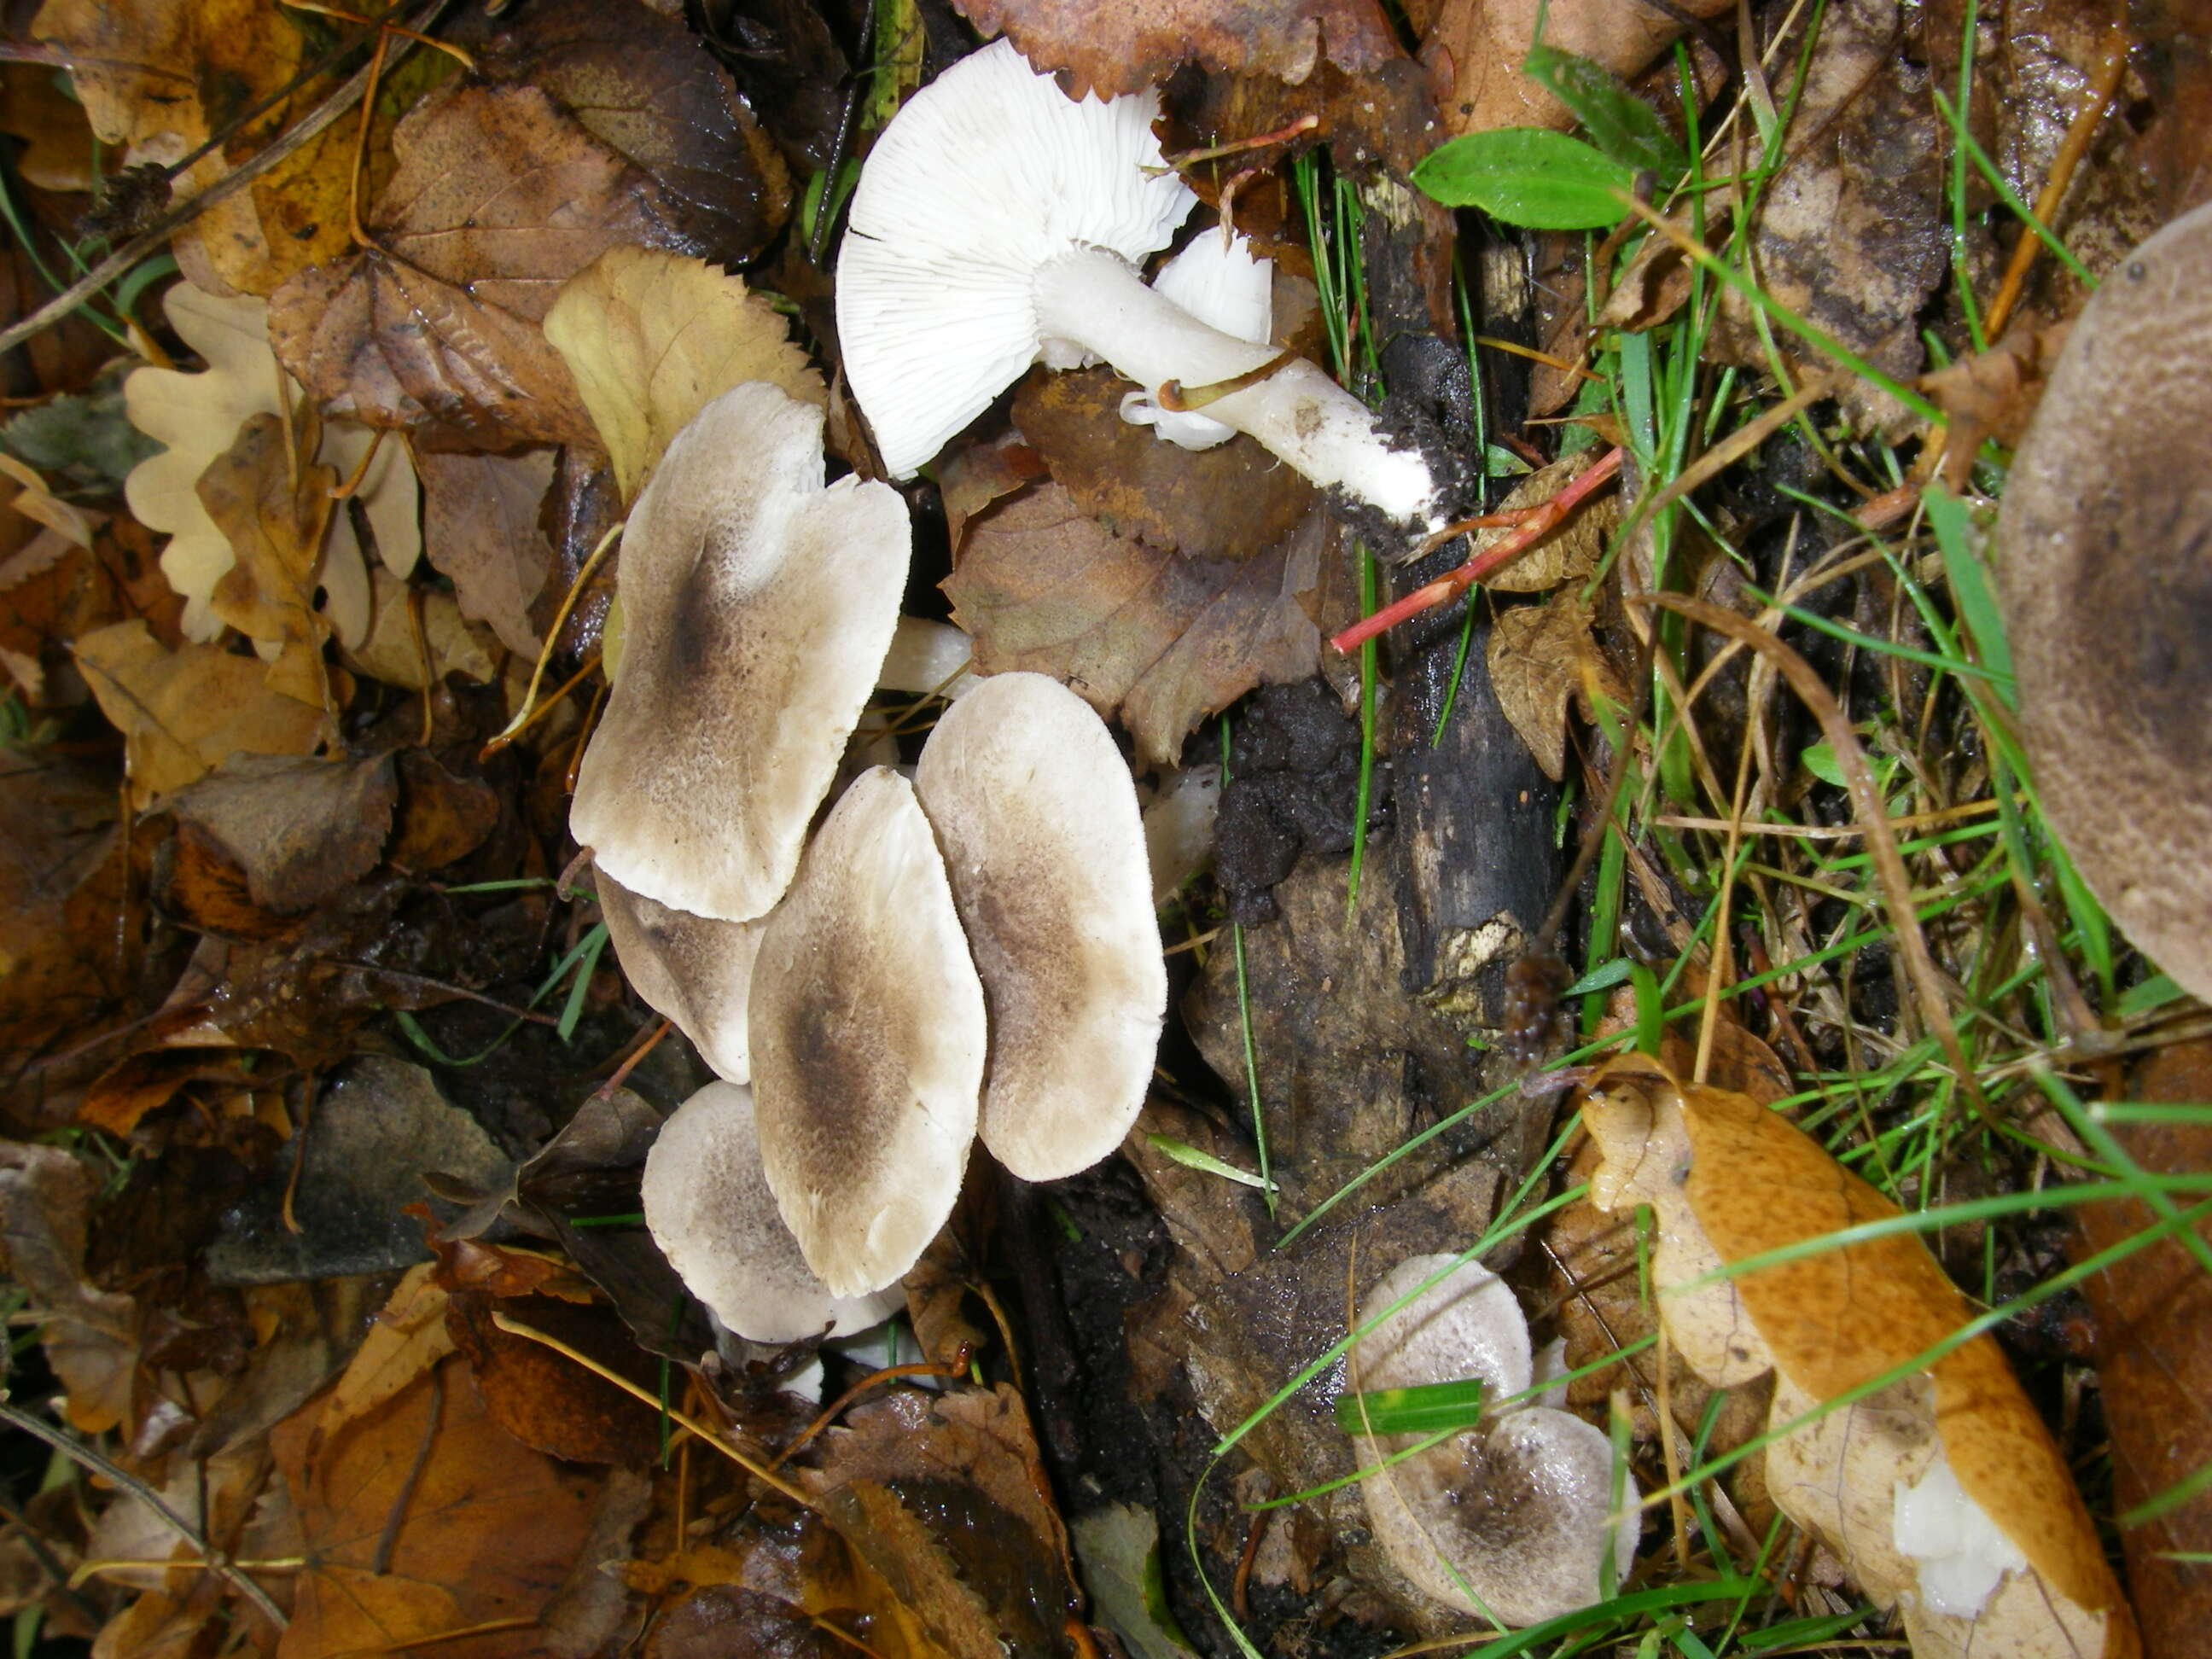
[184, 712]
[61, 887]
[300, 829]
[424, 1523]
[1232, 502]
[1164, 640]
[653, 338]
[1474, 47]
[416, 636]
[273, 504]
[498, 198]
[943, 1496]
[89, 1334]
[1127, 47]
[481, 532]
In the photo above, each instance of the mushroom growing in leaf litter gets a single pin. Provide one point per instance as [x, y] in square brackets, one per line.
[695, 970]
[758, 606]
[1216, 279]
[1512, 1519]
[867, 1035]
[710, 1211]
[2105, 560]
[1036, 814]
[998, 221]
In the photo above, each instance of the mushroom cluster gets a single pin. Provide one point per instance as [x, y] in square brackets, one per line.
[850, 978]
[1514, 1520]
[999, 223]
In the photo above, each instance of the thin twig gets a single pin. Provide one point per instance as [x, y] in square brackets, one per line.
[70, 1447]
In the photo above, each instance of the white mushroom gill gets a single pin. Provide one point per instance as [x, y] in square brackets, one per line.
[1961, 1552]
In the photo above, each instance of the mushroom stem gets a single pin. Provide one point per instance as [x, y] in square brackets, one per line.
[1092, 302]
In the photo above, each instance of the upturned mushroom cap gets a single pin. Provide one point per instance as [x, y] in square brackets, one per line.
[986, 173]
[757, 605]
[2104, 557]
[867, 1024]
[710, 1211]
[1518, 1511]
[1037, 816]
[695, 970]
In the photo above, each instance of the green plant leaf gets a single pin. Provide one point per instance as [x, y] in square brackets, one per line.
[1431, 1408]
[1192, 1158]
[1621, 124]
[1526, 176]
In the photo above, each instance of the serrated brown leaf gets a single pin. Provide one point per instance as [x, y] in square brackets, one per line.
[182, 713]
[943, 1496]
[424, 1523]
[499, 196]
[1162, 639]
[1122, 48]
[1232, 502]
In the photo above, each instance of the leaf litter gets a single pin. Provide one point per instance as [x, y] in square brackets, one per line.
[328, 1104]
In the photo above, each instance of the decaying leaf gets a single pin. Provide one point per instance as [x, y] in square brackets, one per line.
[481, 529]
[943, 1496]
[1533, 655]
[1474, 50]
[1125, 48]
[182, 713]
[1568, 553]
[300, 829]
[1228, 502]
[62, 882]
[424, 1523]
[1163, 639]
[197, 417]
[274, 505]
[2008, 1560]
[90, 1334]
[417, 637]
[498, 198]
[652, 339]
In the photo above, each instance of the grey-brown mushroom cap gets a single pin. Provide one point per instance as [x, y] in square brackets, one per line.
[1036, 814]
[709, 1209]
[2104, 562]
[695, 970]
[1517, 1509]
[758, 605]
[867, 1031]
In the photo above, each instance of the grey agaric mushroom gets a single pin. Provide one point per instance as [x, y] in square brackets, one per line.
[758, 605]
[1036, 814]
[695, 970]
[868, 1037]
[2104, 559]
[709, 1209]
[998, 221]
[1518, 1511]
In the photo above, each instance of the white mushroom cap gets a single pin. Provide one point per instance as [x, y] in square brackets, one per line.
[757, 605]
[986, 174]
[1216, 279]
[867, 1032]
[695, 970]
[929, 659]
[1036, 814]
[1517, 1511]
[710, 1211]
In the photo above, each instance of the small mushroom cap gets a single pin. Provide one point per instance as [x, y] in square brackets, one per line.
[1518, 1511]
[2105, 558]
[868, 1033]
[1037, 816]
[695, 970]
[710, 1211]
[758, 605]
[983, 175]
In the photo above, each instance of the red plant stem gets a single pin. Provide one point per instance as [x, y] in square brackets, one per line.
[1539, 522]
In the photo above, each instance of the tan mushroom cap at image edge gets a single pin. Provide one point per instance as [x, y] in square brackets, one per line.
[696, 971]
[1036, 814]
[2104, 562]
[709, 1210]
[867, 1035]
[758, 605]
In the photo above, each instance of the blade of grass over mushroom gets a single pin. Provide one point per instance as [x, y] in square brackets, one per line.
[1427, 1408]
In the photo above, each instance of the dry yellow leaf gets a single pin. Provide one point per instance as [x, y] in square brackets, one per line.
[1729, 1180]
[652, 339]
[182, 713]
[274, 505]
[198, 416]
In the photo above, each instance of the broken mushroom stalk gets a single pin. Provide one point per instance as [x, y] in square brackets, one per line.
[998, 221]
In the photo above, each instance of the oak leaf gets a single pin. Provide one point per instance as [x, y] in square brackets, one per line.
[274, 505]
[653, 338]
